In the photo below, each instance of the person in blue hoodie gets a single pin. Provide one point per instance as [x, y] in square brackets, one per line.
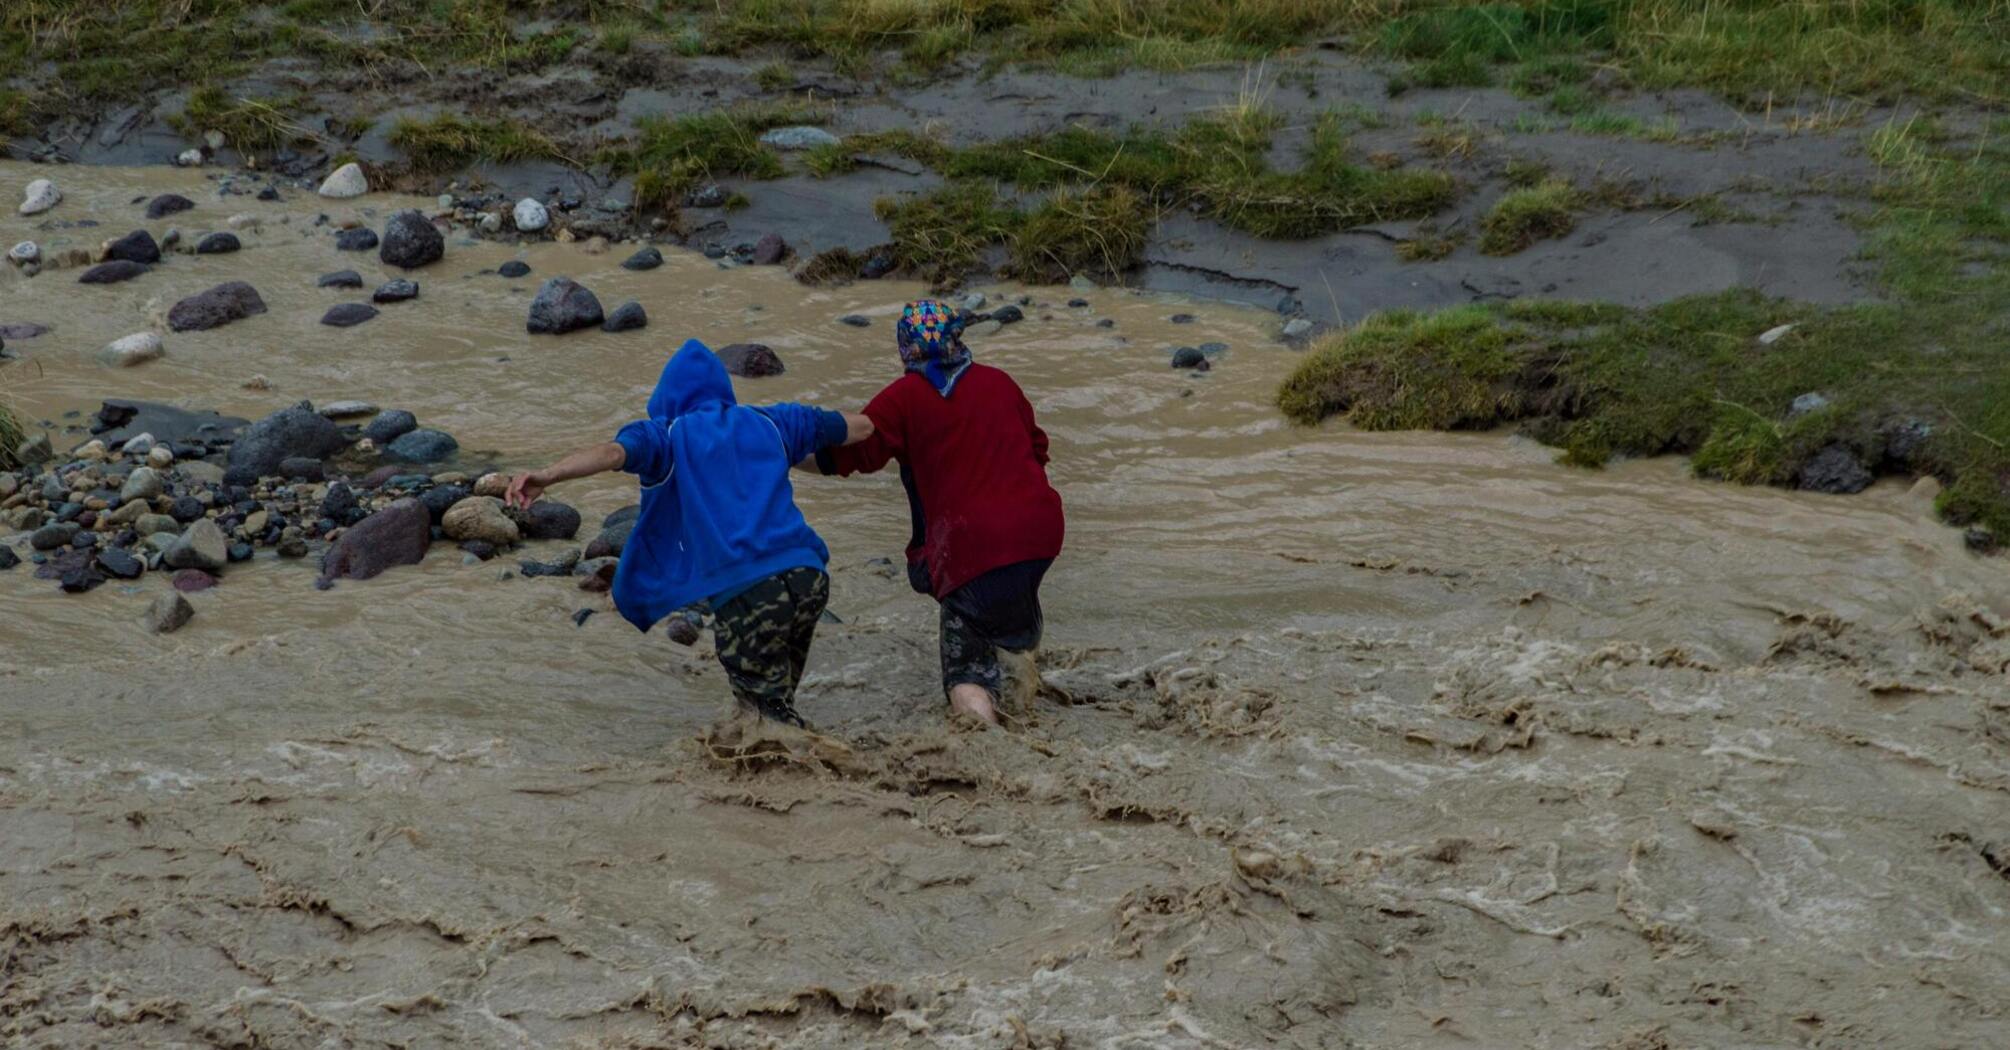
[719, 522]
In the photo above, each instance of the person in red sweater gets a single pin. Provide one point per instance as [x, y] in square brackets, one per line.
[987, 525]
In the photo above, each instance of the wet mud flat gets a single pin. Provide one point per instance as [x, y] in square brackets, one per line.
[1346, 739]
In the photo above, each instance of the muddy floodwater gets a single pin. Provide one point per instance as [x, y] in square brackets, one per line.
[1348, 740]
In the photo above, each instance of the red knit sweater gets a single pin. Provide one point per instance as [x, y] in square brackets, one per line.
[974, 464]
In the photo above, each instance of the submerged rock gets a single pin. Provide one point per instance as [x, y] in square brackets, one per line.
[231, 301]
[396, 291]
[168, 204]
[168, 613]
[112, 272]
[626, 318]
[340, 279]
[563, 305]
[135, 349]
[770, 250]
[397, 535]
[411, 241]
[514, 268]
[348, 315]
[218, 244]
[611, 541]
[798, 138]
[550, 520]
[360, 239]
[750, 360]
[648, 258]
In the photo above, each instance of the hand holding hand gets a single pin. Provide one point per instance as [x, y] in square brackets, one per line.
[524, 490]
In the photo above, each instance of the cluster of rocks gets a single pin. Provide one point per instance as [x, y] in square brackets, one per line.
[564, 305]
[210, 491]
[124, 258]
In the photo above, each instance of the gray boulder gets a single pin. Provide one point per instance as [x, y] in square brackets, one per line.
[340, 279]
[563, 305]
[422, 446]
[298, 431]
[550, 520]
[390, 425]
[168, 204]
[348, 315]
[397, 535]
[169, 613]
[1834, 469]
[231, 301]
[218, 244]
[750, 360]
[626, 318]
[411, 241]
[201, 546]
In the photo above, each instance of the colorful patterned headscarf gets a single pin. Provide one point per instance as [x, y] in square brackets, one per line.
[931, 343]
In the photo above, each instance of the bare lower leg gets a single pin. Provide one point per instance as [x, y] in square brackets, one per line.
[974, 700]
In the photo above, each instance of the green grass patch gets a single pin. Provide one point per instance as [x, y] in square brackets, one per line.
[1918, 384]
[1525, 216]
[450, 141]
[11, 436]
[671, 156]
[249, 125]
[946, 234]
[1098, 231]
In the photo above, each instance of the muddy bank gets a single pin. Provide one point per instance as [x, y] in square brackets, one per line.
[1735, 199]
[1374, 740]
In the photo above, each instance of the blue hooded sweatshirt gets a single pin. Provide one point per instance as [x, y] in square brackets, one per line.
[718, 513]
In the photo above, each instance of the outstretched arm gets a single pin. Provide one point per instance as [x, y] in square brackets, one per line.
[857, 428]
[524, 489]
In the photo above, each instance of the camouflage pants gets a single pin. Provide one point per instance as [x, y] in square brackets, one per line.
[763, 636]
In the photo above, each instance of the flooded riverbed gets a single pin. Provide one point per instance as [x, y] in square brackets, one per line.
[1349, 740]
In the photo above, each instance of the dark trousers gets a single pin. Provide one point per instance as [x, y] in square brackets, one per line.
[763, 636]
[998, 610]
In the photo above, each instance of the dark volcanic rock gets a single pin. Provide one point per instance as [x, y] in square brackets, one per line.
[750, 360]
[218, 244]
[770, 249]
[681, 628]
[8, 559]
[169, 613]
[138, 246]
[360, 239]
[1834, 469]
[610, 541]
[647, 259]
[563, 305]
[340, 279]
[293, 432]
[115, 562]
[396, 535]
[440, 498]
[189, 581]
[422, 446]
[185, 509]
[390, 425]
[626, 318]
[622, 516]
[550, 520]
[411, 241]
[231, 301]
[856, 320]
[340, 500]
[119, 420]
[112, 272]
[396, 291]
[348, 315]
[301, 468]
[481, 549]
[514, 268]
[1189, 357]
[77, 572]
[1008, 314]
[53, 535]
[168, 204]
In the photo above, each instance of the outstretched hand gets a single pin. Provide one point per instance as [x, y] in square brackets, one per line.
[524, 490]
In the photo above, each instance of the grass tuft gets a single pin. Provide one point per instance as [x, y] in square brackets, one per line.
[450, 141]
[1525, 216]
[672, 156]
[249, 125]
[943, 235]
[1098, 232]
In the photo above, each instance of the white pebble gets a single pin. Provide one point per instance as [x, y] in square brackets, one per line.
[40, 196]
[531, 215]
[24, 253]
[189, 158]
[346, 181]
[138, 348]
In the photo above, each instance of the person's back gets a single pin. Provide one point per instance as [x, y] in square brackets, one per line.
[718, 522]
[987, 523]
